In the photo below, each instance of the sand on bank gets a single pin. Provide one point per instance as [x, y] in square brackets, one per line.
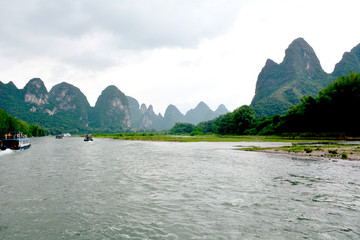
[340, 151]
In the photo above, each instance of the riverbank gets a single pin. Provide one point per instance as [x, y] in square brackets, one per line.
[325, 151]
[315, 147]
[187, 138]
[201, 138]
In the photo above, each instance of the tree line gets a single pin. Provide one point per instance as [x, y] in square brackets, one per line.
[333, 113]
[9, 123]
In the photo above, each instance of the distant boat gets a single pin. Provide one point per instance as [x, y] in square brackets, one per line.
[15, 141]
[88, 138]
[59, 136]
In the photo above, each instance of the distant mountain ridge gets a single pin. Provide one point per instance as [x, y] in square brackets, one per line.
[200, 113]
[66, 109]
[280, 86]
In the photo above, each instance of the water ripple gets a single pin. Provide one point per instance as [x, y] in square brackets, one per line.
[113, 189]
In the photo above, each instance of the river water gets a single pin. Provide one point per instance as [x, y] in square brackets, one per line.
[113, 189]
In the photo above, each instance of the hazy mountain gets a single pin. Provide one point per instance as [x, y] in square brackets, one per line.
[280, 86]
[135, 113]
[200, 113]
[150, 120]
[172, 115]
[221, 110]
[143, 118]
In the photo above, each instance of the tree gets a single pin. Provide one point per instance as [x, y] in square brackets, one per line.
[9, 123]
[182, 128]
[225, 124]
[334, 111]
[243, 118]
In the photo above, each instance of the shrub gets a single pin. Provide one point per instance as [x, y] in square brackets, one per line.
[333, 151]
[308, 150]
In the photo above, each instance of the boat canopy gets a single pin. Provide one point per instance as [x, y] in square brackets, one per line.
[15, 135]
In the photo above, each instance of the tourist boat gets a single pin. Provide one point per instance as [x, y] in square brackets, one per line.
[88, 138]
[15, 141]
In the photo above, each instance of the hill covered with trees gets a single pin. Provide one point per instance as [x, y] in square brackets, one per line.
[66, 109]
[280, 86]
[9, 123]
[332, 113]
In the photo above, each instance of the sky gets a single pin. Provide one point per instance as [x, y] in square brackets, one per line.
[165, 52]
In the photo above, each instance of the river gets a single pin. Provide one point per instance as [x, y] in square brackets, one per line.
[114, 189]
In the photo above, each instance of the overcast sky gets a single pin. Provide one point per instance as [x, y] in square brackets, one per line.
[165, 52]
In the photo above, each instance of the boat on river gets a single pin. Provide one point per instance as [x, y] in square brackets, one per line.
[59, 136]
[15, 141]
[88, 138]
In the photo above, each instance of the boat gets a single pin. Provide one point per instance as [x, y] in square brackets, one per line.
[15, 141]
[88, 138]
[59, 136]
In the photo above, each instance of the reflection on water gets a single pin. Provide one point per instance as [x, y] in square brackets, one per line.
[112, 189]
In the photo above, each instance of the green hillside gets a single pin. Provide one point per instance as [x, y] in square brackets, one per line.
[333, 113]
[280, 86]
[349, 61]
[9, 123]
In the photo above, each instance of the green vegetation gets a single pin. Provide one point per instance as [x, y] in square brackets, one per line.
[334, 111]
[12, 101]
[343, 151]
[9, 123]
[350, 60]
[187, 138]
[182, 128]
[332, 114]
[280, 86]
[3, 228]
[106, 115]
